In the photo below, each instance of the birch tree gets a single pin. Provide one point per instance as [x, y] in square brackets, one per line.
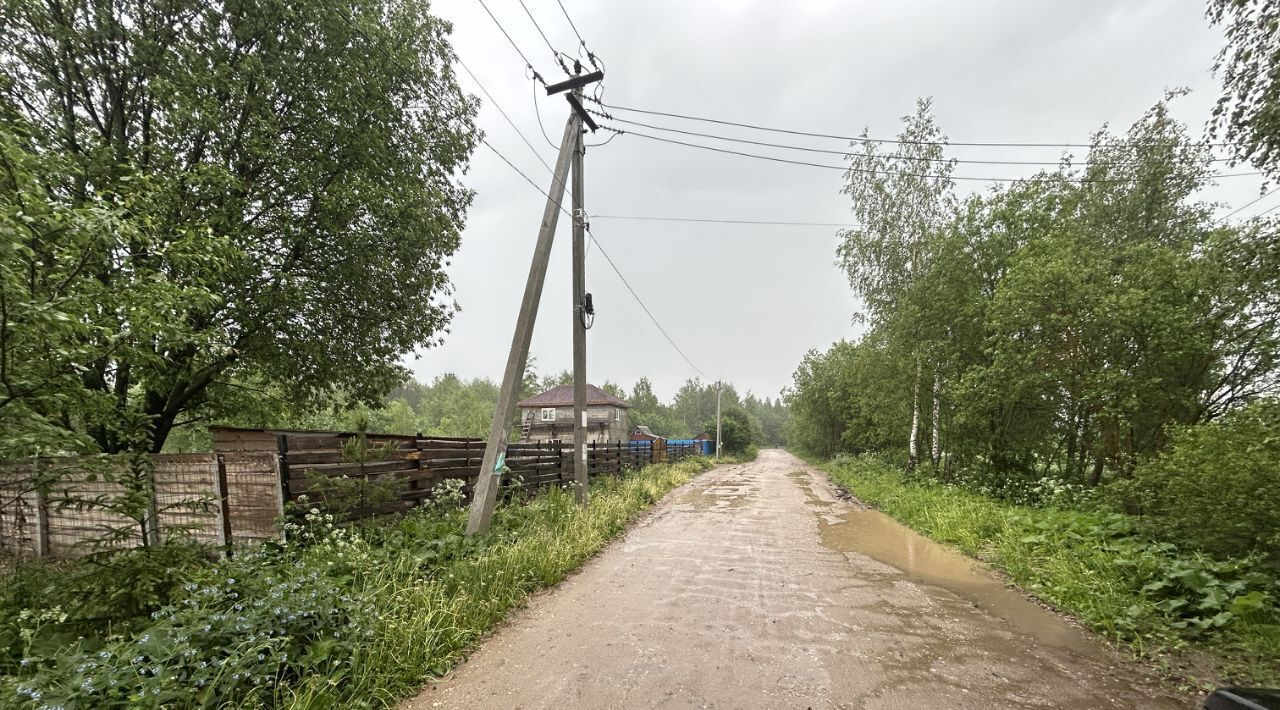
[902, 199]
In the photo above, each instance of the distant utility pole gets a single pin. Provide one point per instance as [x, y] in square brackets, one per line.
[493, 465]
[717, 420]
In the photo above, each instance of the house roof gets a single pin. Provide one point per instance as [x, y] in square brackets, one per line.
[645, 431]
[562, 396]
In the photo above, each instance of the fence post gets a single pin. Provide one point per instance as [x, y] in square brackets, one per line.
[42, 522]
[151, 518]
[415, 483]
[224, 504]
[282, 470]
[282, 456]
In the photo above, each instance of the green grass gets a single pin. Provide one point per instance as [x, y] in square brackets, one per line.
[341, 617]
[1175, 608]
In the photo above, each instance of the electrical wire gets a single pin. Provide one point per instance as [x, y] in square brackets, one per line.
[554, 52]
[755, 127]
[514, 46]
[581, 42]
[1251, 203]
[600, 248]
[1267, 212]
[538, 112]
[606, 141]
[636, 296]
[513, 125]
[829, 151]
[846, 169]
[782, 223]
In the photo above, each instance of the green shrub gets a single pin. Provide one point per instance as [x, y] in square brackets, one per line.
[1218, 488]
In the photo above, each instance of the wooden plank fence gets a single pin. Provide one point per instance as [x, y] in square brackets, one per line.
[412, 466]
[55, 507]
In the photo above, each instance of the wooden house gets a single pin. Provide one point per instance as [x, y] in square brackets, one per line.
[643, 433]
[549, 416]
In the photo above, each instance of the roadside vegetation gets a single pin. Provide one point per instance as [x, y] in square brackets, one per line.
[339, 616]
[1076, 375]
[1197, 616]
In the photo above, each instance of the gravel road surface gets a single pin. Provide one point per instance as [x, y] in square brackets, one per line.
[758, 586]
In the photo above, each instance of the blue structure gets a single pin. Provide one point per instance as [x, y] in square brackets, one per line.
[706, 447]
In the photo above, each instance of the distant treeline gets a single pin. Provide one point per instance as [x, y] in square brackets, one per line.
[453, 406]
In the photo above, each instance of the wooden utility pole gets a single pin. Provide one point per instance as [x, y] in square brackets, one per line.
[579, 314]
[493, 465]
[495, 451]
[718, 386]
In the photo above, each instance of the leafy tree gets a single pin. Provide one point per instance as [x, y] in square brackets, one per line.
[738, 430]
[1076, 319]
[1248, 113]
[901, 201]
[55, 322]
[285, 177]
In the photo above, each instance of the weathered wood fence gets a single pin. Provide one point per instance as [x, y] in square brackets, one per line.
[67, 506]
[236, 494]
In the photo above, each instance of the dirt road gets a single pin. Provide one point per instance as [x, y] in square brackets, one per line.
[754, 586]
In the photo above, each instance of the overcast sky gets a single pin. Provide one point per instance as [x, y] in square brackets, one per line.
[745, 302]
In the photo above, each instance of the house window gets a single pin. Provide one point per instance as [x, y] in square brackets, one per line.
[548, 414]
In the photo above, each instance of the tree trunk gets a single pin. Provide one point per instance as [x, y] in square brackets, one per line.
[936, 443]
[1096, 478]
[913, 443]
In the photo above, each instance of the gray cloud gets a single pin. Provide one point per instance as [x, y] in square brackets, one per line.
[746, 302]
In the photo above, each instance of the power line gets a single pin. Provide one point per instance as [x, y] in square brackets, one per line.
[860, 139]
[538, 112]
[1251, 203]
[1267, 212]
[783, 223]
[605, 254]
[846, 169]
[590, 57]
[496, 105]
[555, 53]
[514, 46]
[656, 324]
[829, 151]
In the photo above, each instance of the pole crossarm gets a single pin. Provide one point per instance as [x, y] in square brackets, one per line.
[576, 82]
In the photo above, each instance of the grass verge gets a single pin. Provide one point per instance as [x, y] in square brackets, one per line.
[1206, 621]
[342, 617]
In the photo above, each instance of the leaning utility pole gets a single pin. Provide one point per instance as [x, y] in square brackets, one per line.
[493, 465]
[579, 313]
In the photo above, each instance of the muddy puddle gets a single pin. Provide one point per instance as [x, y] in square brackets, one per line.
[922, 560]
